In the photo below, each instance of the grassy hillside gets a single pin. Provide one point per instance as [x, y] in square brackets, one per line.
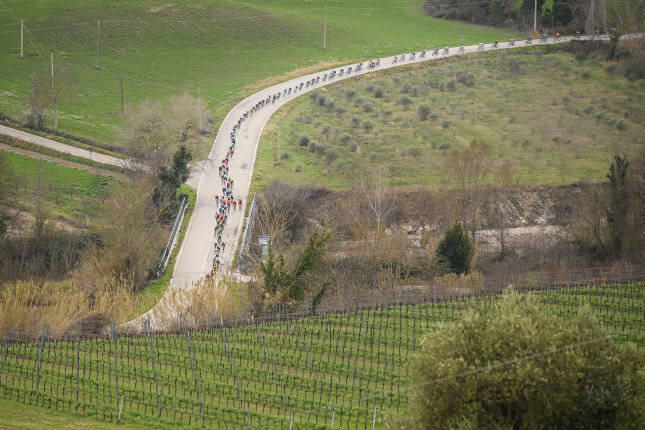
[260, 373]
[558, 119]
[220, 46]
[69, 194]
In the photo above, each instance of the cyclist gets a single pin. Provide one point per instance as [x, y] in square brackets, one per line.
[481, 46]
[436, 51]
[378, 61]
[461, 48]
[557, 35]
[495, 44]
[413, 56]
[544, 37]
[349, 70]
[446, 50]
[529, 39]
[512, 42]
[577, 35]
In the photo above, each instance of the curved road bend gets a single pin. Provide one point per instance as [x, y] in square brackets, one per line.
[196, 253]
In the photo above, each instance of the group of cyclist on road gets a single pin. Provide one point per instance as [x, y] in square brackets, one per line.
[226, 201]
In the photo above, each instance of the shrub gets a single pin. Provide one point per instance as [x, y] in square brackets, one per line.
[581, 57]
[396, 80]
[368, 107]
[445, 124]
[321, 149]
[451, 85]
[406, 88]
[356, 121]
[424, 111]
[611, 69]
[634, 67]
[433, 116]
[340, 111]
[455, 250]
[379, 92]
[350, 93]
[359, 101]
[373, 156]
[285, 156]
[326, 130]
[621, 125]
[312, 146]
[345, 138]
[330, 105]
[386, 113]
[304, 139]
[405, 101]
[353, 147]
[585, 75]
[414, 152]
[369, 87]
[444, 146]
[588, 110]
[569, 362]
[368, 126]
[331, 155]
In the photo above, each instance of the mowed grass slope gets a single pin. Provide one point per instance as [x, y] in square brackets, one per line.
[220, 46]
[556, 119]
[263, 372]
[67, 193]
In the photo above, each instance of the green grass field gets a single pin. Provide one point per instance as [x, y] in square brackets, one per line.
[557, 119]
[220, 46]
[69, 192]
[260, 374]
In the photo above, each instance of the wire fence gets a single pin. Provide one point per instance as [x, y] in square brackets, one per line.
[342, 363]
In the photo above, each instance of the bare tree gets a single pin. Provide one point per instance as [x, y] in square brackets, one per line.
[154, 130]
[507, 178]
[467, 170]
[377, 201]
[49, 87]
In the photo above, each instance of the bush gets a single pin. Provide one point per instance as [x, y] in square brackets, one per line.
[586, 75]
[406, 88]
[353, 147]
[285, 156]
[424, 111]
[345, 138]
[568, 362]
[321, 149]
[445, 124]
[356, 121]
[359, 101]
[433, 116]
[304, 139]
[611, 69]
[330, 105]
[455, 250]
[386, 113]
[369, 87]
[634, 67]
[405, 101]
[368, 107]
[340, 111]
[331, 155]
[444, 146]
[312, 146]
[414, 152]
[350, 93]
[621, 126]
[451, 85]
[581, 57]
[379, 92]
[368, 126]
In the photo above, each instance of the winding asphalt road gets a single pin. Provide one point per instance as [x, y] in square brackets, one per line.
[196, 253]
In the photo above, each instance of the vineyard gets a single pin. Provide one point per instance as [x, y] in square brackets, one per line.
[344, 370]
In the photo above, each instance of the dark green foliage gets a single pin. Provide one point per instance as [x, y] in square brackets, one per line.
[522, 368]
[170, 179]
[455, 250]
[619, 204]
[424, 111]
[290, 284]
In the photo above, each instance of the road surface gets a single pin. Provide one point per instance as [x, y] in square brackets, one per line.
[61, 147]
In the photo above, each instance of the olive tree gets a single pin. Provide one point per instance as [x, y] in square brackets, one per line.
[523, 368]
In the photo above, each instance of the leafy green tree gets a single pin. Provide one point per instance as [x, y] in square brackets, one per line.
[289, 284]
[455, 250]
[619, 203]
[522, 368]
[424, 111]
[170, 179]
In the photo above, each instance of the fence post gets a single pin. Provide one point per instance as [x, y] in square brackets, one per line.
[40, 357]
[116, 364]
[78, 359]
[374, 419]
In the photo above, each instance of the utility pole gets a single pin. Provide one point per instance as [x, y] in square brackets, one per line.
[325, 31]
[279, 130]
[535, 17]
[98, 41]
[121, 91]
[199, 107]
[22, 29]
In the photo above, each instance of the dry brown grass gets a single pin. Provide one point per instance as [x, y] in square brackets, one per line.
[26, 306]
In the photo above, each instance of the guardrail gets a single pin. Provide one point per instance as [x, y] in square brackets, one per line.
[165, 257]
[248, 233]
